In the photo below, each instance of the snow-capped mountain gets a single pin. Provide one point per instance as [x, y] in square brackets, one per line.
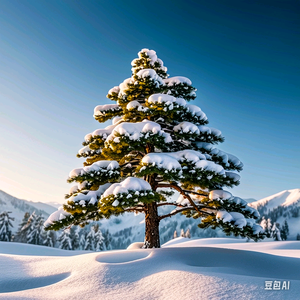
[280, 207]
[284, 198]
[19, 207]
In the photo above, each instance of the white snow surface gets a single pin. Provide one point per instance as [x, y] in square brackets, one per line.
[100, 132]
[130, 183]
[99, 108]
[177, 80]
[58, 215]
[170, 161]
[144, 73]
[184, 269]
[219, 194]
[161, 160]
[134, 130]
[96, 166]
[167, 99]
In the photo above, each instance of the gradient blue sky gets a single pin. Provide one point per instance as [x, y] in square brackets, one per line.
[59, 58]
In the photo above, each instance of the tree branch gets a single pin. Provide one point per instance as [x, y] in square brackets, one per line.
[169, 203]
[187, 191]
[176, 212]
[179, 189]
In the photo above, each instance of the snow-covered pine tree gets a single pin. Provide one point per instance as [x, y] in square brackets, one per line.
[99, 239]
[36, 234]
[182, 233]
[65, 241]
[82, 240]
[188, 234]
[276, 232]
[284, 231]
[269, 228]
[107, 239]
[157, 142]
[21, 234]
[74, 236]
[5, 226]
[175, 234]
[90, 240]
[50, 239]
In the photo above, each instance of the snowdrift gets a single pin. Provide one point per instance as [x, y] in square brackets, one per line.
[188, 269]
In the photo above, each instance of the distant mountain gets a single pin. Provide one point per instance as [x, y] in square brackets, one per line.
[250, 200]
[19, 207]
[280, 207]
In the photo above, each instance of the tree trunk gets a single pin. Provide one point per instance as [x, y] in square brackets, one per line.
[151, 226]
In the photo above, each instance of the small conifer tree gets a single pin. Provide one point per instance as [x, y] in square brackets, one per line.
[65, 240]
[36, 233]
[188, 234]
[5, 226]
[175, 234]
[157, 142]
[21, 234]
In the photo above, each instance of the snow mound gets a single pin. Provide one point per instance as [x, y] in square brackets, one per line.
[219, 271]
[135, 246]
[123, 257]
[21, 284]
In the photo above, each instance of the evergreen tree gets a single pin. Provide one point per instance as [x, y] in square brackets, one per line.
[5, 226]
[36, 234]
[21, 234]
[188, 234]
[298, 237]
[65, 241]
[157, 143]
[74, 236]
[107, 240]
[182, 233]
[276, 232]
[175, 234]
[284, 231]
[50, 239]
[269, 227]
[90, 240]
[99, 239]
[82, 240]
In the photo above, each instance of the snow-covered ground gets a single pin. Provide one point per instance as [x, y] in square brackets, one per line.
[221, 268]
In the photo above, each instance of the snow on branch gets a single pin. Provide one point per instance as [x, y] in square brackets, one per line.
[105, 112]
[228, 161]
[130, 193]
[102, 171]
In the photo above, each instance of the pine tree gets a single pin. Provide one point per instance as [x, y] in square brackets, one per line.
[36, 234]
[65, 241]
[269, 228]
[21, 234]
[298, 237]
[82, 240]
[188, 234]
[276, 232]
[74, 236]
[175, 234]
[90, 240]
[107, 240]
[157, 141]
[182, 233]
[5, 226]
[284, 231]
[50, 239]
[99, 239]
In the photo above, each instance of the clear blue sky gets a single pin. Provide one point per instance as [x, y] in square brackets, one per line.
[58, 59]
